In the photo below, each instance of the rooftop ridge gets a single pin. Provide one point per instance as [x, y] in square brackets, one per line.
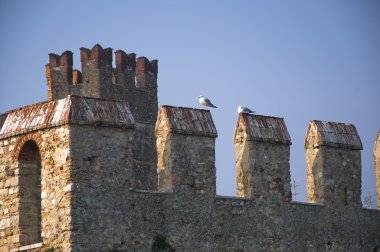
[69, 110]
[261, 128]
[187, 121]
[334, 134]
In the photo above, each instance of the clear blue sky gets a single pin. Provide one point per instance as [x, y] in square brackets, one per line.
[300, 60]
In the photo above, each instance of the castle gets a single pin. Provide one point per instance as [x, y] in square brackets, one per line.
[79, 172]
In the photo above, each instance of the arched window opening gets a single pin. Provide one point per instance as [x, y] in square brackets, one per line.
[30, 193]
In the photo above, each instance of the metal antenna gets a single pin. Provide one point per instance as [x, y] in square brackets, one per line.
[294, 190]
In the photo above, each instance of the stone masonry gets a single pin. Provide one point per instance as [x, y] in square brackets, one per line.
[262, 158]
[331, 180]
[99, 167]
[376, 154]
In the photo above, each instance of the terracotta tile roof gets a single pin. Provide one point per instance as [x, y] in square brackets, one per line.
[70, 110]
[341, 135]
[261, 128]
[188, 121]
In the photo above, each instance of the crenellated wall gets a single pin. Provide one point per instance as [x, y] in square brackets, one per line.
[186, 151]
[333, 164]
[262, 146]
[132, 80]
[78, 173]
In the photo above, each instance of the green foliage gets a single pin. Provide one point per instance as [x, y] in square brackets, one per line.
[49, 250]
[160, 244]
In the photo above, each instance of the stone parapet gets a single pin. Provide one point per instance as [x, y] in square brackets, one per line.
[133, 79]
[333, 164]
[186, 150]
[262, 158]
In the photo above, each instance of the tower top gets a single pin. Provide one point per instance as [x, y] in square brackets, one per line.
[333, 134]
[261, 128]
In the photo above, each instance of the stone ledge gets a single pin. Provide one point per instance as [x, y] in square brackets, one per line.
[27, 247]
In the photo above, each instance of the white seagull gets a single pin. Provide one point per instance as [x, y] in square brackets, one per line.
[205, 102]
[244, 110]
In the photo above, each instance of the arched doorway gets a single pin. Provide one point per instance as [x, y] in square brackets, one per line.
[30, 193]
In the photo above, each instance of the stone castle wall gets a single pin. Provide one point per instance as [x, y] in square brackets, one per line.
[116, 175]
[101, 160]
[53, 145]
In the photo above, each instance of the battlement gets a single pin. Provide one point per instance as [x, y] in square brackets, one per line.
[333, 163]
[99, 167]
[187, 121]
[339, 135]
[261, 128]
[98, 160]
[186, 150]
[132, 79]
[262, 158]
[97, 54]
[66, 59]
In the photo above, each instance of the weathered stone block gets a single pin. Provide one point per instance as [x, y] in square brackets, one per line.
[333, 164]
[14, 181]
[262, 158]
[4, 223]
[186, 150]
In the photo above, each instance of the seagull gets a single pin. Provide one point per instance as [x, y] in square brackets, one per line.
[244, 110]
[206, 102]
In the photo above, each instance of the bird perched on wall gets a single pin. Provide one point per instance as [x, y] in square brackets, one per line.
[244, 110]
[206, 102]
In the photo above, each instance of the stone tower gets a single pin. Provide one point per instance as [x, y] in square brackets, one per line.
[80, 150]
[133, 80]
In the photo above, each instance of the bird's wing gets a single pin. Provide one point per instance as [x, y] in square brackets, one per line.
[207, 100]
[208, 103]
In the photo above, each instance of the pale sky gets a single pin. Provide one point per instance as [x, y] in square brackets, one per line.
[300, 60]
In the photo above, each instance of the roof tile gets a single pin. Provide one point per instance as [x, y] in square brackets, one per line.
[261, 128]
[70, 110]
[188, 121]
[340, 135]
